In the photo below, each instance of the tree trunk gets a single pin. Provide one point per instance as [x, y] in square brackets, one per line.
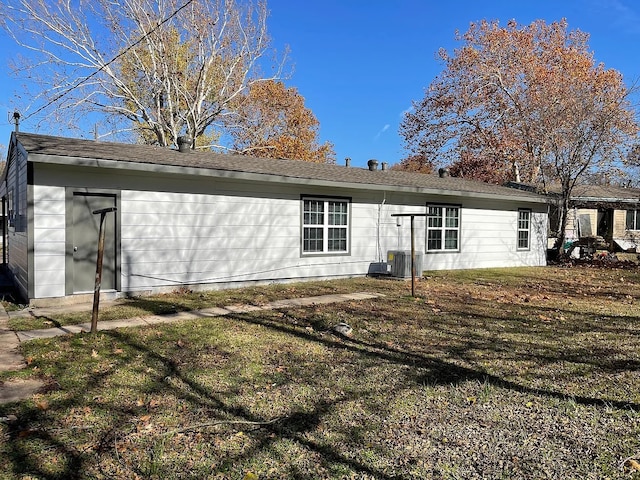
[563, 210]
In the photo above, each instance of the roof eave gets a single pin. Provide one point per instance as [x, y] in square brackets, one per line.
[250, 176]
[605, 200]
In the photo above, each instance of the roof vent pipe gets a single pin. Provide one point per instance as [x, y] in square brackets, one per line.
[184, 144]
[16, 120]
[373, 165]
[443, 172]
[347, 162]
[384, 166]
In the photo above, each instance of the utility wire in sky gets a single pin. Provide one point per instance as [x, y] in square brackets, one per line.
[80, 82]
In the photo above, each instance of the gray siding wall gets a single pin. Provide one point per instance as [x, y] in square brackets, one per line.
[17, 214]
[251, 233]
[488, 233]
[178, 238]
[170, 239]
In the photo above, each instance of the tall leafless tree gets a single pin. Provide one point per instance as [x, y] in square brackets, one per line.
[160, 68]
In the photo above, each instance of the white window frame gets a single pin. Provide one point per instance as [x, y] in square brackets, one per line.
[636, 219]
[524, 228]
[322, 221]
[437, 220]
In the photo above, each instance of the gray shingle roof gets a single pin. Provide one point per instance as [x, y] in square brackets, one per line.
[41, 147]
[598, 195]
[605, 192]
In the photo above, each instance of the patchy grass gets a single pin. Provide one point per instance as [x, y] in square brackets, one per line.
[515, 373]
[183, 300]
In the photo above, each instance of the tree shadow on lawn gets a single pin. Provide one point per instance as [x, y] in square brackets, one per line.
[511, 338]
[578, 280]
[542, 334]
[440, 371]
[33, 423]
[427, 369]
[293, 426]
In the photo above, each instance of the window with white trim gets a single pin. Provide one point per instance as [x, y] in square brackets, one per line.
[443, 228]
[325, 226]
[633, 219]
[524, 229]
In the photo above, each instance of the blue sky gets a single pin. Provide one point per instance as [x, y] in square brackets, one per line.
[360, 63]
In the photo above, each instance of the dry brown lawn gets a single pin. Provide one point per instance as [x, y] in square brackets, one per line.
[511, 373]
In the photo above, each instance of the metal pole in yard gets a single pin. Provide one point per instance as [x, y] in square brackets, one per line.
[96, 290]
[413, 260]
[413, 246]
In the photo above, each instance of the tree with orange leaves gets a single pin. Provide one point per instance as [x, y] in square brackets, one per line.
[527, 96]
[415, 163]
[272, 121]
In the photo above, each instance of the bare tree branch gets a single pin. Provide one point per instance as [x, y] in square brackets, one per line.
[170, 68]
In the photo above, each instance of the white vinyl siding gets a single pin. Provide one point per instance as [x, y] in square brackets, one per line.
[488, 239]
[183, 239]
[49, 241]
[208, 233]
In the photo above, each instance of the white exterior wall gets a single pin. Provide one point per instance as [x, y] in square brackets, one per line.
[169, 239]
[488, 235]
[489, 239]
[214, 233]
[49, 241]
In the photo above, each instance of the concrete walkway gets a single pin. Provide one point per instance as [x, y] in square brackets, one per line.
[12, 360]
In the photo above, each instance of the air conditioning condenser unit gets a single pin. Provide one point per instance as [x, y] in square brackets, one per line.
[400, 262]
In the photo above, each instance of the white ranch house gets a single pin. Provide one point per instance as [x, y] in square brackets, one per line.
[206, 220]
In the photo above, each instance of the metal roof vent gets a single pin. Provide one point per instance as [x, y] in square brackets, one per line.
[347, 162]
[443, 172]
[384, 166]
[373, 165]
[184, 144]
